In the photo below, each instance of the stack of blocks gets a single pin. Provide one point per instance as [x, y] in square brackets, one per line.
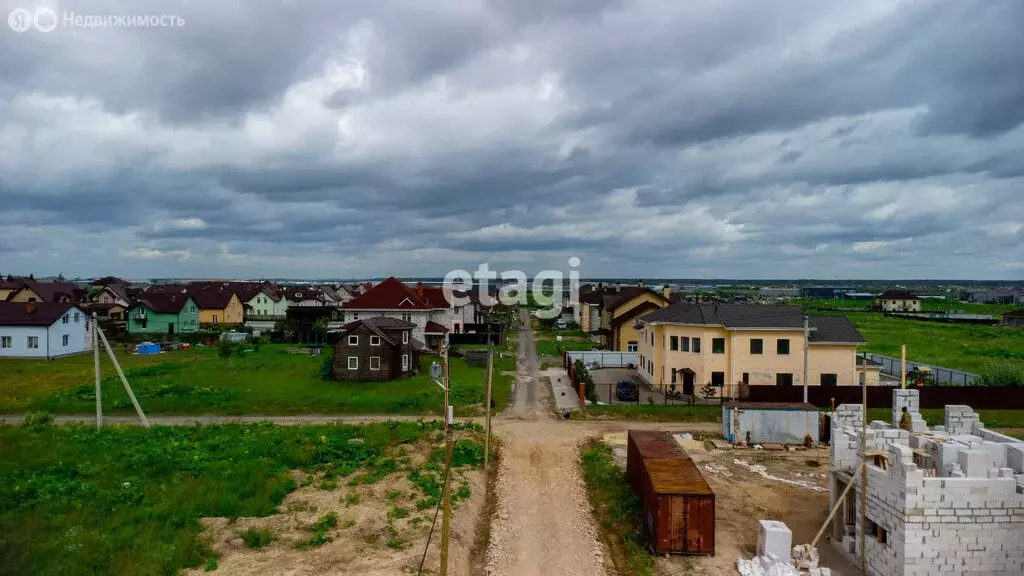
[960, 420]
[908, 398]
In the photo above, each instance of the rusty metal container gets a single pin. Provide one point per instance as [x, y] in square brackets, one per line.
[678, 504]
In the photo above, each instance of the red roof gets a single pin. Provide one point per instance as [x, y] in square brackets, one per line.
[433, 327]
[391, 294]
[212, 299]
[42, 313]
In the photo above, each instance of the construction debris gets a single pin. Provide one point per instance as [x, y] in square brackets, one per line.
[763, 472]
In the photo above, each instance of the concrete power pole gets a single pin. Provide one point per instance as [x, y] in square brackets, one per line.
[446, 495]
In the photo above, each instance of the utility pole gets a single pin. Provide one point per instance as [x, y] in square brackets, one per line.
[446, 495]
[490, 371]
[96, 362]
[864, 468]
[807, 345]
[903, 366]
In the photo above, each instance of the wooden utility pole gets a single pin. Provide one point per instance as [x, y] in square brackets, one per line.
[807, 343]
[127, 387]
[490, 372]
[446, 493]
[96, 362]
[903, 366]
[864, 469]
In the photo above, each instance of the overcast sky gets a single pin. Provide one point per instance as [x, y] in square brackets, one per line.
[657, 138]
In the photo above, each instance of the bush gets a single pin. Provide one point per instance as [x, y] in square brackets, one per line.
[327, 363]
[37, 420]
[256, 538]
[995, 373]
[397, 513]
[226, 349]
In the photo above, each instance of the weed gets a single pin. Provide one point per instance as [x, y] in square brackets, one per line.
[349, 523]
[257, 538]
[351, 499]
[394, 495]
[37, 420]
[396, 543]
[320, 537]
[371, 538]
[300, 507]
[211, 564]
[329, 485]
[397, 513]
[462, 493]
[326, 522]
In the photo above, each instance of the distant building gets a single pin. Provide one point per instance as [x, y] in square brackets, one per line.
[898, 301]
[775, 293]
[824, 292]
[163, 313]
[43, 330]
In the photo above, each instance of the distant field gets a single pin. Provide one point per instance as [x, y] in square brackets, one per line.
[927, 305]
[958, 346]
[269, 381]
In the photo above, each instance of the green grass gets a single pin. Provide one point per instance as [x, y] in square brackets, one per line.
[257, 538]
[397, 513]
[647, 412]
[958, 346]
[936, 417]
[555, 348]
[616, 509]
[127, 500]
[927, 305]
[269, 381]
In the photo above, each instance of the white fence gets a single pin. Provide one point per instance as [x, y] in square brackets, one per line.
[604, 359]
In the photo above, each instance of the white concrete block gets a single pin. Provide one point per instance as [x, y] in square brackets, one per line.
[975, 463]
[774, 537]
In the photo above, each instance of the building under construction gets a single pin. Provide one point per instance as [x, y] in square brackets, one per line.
[942, 500]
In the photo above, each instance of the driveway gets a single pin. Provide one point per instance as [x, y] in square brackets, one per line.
[605, 380]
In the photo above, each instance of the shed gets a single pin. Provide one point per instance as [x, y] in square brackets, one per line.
[776, 422]
[678, 504]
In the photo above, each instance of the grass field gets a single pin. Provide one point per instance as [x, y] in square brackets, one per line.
[555, 348]
[127, 501]
[936, 417]
[927, 305]
[268, 381]
[957, 346]
[647, 412]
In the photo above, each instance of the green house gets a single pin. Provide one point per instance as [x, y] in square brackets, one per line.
[163, 314]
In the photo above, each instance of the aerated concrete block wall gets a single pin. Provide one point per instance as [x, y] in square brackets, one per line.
[904, 397]
[960, 419]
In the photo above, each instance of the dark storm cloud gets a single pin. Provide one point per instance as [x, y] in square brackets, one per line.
[733, 138]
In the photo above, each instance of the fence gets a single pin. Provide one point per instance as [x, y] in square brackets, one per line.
[603, 359]
[977, 397]
[943, 376]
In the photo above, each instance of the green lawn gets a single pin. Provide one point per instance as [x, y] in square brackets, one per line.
[555, 348]
[127, 500]
[927, 305]
[269, 381]
[650, 413]
[957, 346]
[936, 417]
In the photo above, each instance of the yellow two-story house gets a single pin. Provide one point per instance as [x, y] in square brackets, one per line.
[611, 312]
[726, 345]
[218, 307]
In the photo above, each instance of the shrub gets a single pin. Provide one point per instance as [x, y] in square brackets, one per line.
[226, 349]
[396, 543]
[397, 513]
[256, 538]
[211, 564]
[351, 499]
[995, 373]
[327, 521]
[37, 420]
[327, 363]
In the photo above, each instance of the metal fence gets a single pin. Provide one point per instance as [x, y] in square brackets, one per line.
[943, 376]
[603, 359]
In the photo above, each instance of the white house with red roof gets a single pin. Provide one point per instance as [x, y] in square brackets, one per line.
[426, 307]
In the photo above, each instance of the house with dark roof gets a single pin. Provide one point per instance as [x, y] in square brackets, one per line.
[1014, 318]
[306, 296]
[43, 330]
[35, 291]
[720, 347]
[262, 301]
[114, 294]
[898, 301]
[167, 313]
[609, 313]
[218, 305]
[425, 307]
[374, 349]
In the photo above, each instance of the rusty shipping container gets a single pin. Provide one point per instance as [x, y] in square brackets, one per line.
[678, 504]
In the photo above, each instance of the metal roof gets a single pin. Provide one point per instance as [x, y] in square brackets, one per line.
[677, 476]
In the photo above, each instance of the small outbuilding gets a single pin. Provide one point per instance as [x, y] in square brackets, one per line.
[769, 422]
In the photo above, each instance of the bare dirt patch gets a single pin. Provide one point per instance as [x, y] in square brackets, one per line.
[366, 540]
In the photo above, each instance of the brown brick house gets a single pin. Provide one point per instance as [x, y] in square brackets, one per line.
[374, 350]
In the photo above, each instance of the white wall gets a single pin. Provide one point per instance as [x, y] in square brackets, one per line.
[79, 339]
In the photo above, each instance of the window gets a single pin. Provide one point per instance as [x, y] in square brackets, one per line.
[652, 338]
[374, 340]
[673, 343]
[631, 346]
[782, 346]
[353, 362]
[718, 345]
[64, 340]
[355, 315]
[5, 341]
[374, 362]
[673, 375]
[877, 532]
[33, 342]
[405, 362]
[353, 340]
[214, 318]
[746, 377]
[756, 346]
[686, 343]
[31, 299]
[64, 319]
[718, 379]
[77, 317]
[783, 379]
[696, 345]
[829, 379]
[405, 336]
[407, 316]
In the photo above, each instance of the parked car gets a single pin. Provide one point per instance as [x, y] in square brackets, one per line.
[560, 324]
[627, 391]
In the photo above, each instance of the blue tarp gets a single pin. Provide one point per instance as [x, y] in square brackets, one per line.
[148, 348]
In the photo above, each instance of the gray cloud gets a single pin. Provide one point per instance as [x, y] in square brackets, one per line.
[652, 138]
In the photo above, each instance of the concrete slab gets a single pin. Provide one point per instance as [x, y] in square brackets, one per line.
[562, 391]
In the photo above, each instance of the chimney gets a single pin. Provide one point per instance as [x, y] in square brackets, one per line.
[666, 292]
[640, 283]
[30, 307]
[419, 290]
